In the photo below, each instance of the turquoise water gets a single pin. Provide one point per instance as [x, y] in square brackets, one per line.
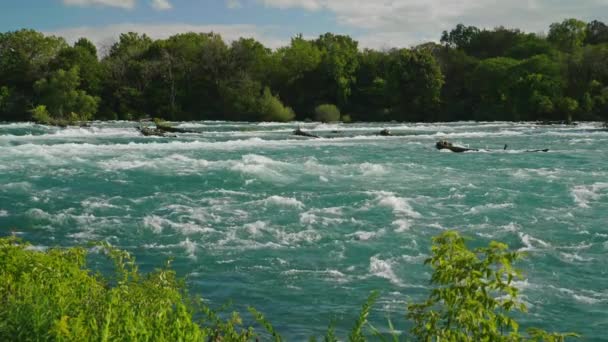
[304, 229]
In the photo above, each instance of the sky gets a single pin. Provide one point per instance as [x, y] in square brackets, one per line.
[375, 24]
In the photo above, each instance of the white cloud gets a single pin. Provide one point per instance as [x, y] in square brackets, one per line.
[104, 37]
[127, 4]
[407, 22]
[161, 5]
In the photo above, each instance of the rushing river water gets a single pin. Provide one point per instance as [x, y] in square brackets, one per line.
[303, 229]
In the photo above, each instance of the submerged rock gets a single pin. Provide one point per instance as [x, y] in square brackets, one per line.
[443, 144]
[301, 133]
[147, 131]
[385, 133]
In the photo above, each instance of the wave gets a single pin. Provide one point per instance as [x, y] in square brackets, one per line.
[489, 207]
[383, 269]
[531, 243]
[399, 205]
[283, 201]
[585, 194]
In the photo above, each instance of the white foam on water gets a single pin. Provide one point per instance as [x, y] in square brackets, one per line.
[154, 222]
[489, 207]
[190, 248]
[21, 186]
[511, 227]
[295, 238]
[87, 235]
[229, 192]
[255, 228]
[157, 224]
[364, 235]
[585, 194]
[261, 166]
[369, 169]
[383, 269]
[329, 274]
[574, 257]
[399, 205]
[98, 203]
[283, 202]
[3, 213]
[585, 299]
[40, 214]
[308, 218]
[531, 243]
[401, 225]
[323, 216]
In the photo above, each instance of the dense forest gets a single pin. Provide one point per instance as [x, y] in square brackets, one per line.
[472, 74]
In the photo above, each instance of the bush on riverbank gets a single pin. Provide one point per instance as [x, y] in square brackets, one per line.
[52, 295]
[327, 113]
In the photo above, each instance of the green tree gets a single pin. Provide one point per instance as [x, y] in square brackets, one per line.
[60, 94]
[567, 108]
[126, 77]
[24, 58]
[474, 295]
[297, 78]
[414, 84]
[568, 35]
[338, 67]
[370, 100]
[596, 33]
[460, 37]
[84, 56]
[490, 83]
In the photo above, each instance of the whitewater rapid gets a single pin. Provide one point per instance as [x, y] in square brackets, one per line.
[303, 229]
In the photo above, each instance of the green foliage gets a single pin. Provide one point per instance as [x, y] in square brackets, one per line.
[259, 317]
[327, 113]
[483, 74]
[474, 295]
[568, 35]
[356, 333]
[51, 295]
[271, 108]
[41, 115]
[414, 82]
[160, 123]
[60, 94]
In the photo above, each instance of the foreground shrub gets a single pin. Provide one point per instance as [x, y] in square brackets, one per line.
[474, 295]
[52, 296]
[327, 113]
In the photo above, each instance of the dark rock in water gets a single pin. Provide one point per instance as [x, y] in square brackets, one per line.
[385, 133]
[146, 131]
[443, 144]
[174, 129]
[301, 133]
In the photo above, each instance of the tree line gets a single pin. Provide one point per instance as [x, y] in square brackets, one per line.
[472, 74]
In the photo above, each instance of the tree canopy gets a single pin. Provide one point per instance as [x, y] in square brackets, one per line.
[474, 73]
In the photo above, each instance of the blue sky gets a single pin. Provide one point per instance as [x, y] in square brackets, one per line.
[375, 23]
